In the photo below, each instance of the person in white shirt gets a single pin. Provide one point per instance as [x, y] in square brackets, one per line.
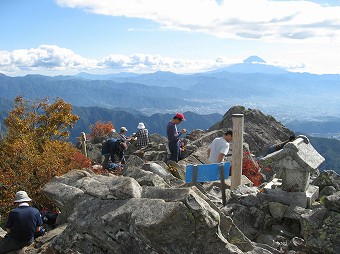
[219, 147]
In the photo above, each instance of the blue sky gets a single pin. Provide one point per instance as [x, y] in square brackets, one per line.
[183, 36]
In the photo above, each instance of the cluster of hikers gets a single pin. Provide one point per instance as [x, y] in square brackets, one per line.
[116, 146]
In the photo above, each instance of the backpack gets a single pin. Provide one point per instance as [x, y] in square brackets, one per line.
[108, 145]
[49, 217]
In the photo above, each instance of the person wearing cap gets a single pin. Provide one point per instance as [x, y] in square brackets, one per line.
[122, 135]
[22, 224]
[174, 135]
[141, 136]
[219, 147]
[113, 147]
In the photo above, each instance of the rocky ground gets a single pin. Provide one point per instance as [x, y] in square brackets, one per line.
[150, 209]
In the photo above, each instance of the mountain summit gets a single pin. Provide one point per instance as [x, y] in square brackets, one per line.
[254, 60]
[253, 64]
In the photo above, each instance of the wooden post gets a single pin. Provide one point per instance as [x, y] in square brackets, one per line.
[237, 155]
[194, 175]
[223, 185]
[83, 143]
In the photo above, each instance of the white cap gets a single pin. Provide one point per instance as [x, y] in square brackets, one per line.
[141, 126]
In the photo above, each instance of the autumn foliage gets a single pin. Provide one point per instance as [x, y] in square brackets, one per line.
[35, 149]
[251, 169]
[100, 129]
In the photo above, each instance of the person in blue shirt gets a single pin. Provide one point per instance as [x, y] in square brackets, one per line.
[174, 135]
[113, 147]
[22, 224]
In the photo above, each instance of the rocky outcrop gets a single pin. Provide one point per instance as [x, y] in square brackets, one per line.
[149, 210]
[114, 214]
[259, 130]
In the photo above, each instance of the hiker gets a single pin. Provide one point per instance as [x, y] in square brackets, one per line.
[273, 148]
[174, 135]
[122, 135]
[23, 223]
[141, 137]
[113, 147]
[219, 147]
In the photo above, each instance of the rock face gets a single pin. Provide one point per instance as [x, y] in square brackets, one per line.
[114, 214]
[259, 130]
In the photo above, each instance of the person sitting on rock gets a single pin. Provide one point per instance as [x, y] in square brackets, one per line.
[219, 147]
[23, 223]
[113, 147]
[122, 135]
[141, 137]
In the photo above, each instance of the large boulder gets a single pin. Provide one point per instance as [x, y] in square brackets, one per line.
[112, 214]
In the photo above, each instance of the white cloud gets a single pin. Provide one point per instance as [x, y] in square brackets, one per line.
[52, 58]
[243, 19]
[44, 57]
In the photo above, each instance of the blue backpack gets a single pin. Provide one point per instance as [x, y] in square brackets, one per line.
[108, 144]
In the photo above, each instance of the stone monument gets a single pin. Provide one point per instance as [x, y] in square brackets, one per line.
[293, 166]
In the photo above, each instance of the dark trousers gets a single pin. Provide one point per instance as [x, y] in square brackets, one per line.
[8, 244]
[107, 157]
[106, 161]
[174, 151]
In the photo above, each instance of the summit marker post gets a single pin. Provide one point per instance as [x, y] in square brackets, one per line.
[237, 151]
[83, 143]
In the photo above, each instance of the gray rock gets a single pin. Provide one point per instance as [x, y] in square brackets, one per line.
[277, 210]
[250, 220]
[320, 230]
[156, 169]
[332, 202]
[146, 178]
[327, 178]
[295, 212]
[134, 162]
[145, 226]
[327, 191]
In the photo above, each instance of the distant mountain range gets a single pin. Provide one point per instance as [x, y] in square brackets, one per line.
[253, 83]
[320, 126]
